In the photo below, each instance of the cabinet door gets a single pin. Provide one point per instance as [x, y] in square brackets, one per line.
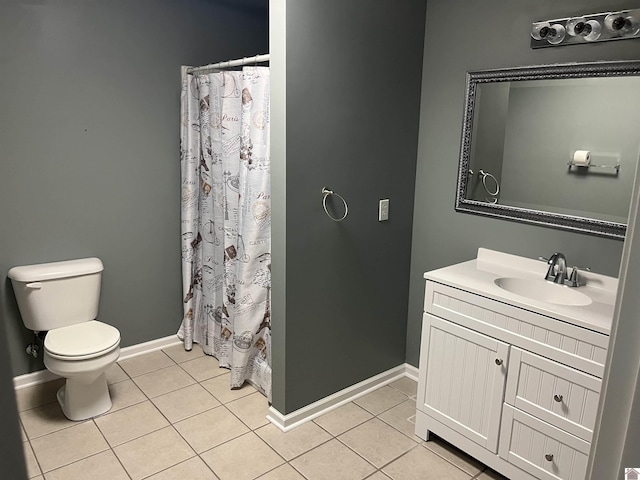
[464, 380]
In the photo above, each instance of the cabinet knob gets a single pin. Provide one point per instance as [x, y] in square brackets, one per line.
[557, 398]
[498, 361]
[549, 457]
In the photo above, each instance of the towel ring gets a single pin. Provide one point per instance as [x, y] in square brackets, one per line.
[484, 183]
[327, 193]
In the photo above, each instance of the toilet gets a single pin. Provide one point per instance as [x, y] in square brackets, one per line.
[62, 299]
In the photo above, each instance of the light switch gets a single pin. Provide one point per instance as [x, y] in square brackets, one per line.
[383, 210]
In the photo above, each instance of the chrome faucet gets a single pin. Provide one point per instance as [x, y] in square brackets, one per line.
[557, 268]
[558, 272]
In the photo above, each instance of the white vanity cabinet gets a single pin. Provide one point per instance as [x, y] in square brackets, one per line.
[514, 388]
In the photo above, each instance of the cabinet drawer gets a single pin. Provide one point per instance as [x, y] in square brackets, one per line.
[575, 346]
[540, 448]
[557, 394]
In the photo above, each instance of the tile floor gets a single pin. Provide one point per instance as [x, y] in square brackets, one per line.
[174, 417]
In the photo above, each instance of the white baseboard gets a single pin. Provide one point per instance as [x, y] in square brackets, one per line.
[148, 347]
[43, 376]
[411, 372]
[325, 405]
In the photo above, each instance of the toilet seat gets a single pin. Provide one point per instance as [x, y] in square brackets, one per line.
[81, 341]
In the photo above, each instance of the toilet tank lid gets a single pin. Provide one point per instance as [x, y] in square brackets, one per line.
[50, 271]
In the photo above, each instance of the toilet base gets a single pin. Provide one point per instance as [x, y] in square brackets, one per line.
[82, 400]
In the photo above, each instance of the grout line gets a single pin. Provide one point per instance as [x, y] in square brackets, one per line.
[298, 471]
[362, 457]
[477, 475]
[398, 458]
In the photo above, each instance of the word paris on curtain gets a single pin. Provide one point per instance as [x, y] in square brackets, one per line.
[226, 221]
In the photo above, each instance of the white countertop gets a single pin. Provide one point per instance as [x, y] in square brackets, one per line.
[478, 276]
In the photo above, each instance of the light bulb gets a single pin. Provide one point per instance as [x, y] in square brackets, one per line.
[554, 34]
[592, 30]
[571, 26]
[621, 23]
[535, 31]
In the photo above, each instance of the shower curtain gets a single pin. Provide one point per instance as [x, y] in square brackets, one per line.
[226, 221]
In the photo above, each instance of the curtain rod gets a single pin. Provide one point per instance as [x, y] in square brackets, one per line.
[231, 63]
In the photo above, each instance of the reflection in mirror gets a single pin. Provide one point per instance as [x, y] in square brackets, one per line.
[554, 145]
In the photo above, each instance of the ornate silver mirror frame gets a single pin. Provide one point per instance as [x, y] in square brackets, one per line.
[538, 217]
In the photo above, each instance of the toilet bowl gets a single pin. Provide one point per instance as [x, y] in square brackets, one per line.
[82, 353]
[62, 299]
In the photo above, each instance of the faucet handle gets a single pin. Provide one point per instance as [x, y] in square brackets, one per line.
[573, 280]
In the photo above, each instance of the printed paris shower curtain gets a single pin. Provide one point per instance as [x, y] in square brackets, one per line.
[226, 221]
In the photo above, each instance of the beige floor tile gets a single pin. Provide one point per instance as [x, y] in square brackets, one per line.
[149, 362]
[489, 474]
[132, 422]
[163, 381]
[23, 434]
[454, 455]
[377, 442]
[178, 354]
[402, 417]
[343, 418]
[210, 429]
[124, 394]
[67, 446]
[381, 399]
[422, 464]
[103, 466]
[252, 410]
[192, 469]
[406, 385]
[219, 388]
[283, 472]
[332, 461]
[33, 469]
[185, 402]
[44, 420]
[229, 461]
[153, 453]
[203, 368]
[39, 477]
[294, 442]
[38, 395]
[115, 374]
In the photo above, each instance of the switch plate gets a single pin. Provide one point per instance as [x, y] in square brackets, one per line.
[383, 210]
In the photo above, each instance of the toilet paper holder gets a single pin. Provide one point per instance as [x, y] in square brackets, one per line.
[579, 165]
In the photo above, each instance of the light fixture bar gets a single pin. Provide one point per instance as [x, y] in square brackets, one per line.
[595, 27]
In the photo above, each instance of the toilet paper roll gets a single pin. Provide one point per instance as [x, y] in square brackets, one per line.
[581, 157]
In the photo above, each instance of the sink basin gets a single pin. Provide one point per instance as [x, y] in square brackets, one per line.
[544, 291]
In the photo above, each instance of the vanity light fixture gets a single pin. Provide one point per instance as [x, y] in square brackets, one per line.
[596, 27]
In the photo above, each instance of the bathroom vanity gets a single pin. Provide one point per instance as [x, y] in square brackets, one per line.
[511, 365]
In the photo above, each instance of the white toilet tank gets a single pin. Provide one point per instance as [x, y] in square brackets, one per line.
[58, 294]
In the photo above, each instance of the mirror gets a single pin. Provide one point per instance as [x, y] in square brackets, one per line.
[552, 145]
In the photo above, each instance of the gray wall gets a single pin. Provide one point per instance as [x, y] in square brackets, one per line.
[353, 89]
[89, 144]
[490, 34]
